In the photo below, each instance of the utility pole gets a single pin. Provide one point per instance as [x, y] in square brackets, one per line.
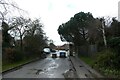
[103, 33]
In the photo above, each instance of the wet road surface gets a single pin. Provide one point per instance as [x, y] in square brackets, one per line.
[45, 68]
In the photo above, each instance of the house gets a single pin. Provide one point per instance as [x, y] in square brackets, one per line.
[63, 47]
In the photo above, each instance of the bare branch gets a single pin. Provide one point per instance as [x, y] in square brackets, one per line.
[7, 7]
[2, 16]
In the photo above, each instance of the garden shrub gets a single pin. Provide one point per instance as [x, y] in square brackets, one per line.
[13, 55]
[8, 55]
[105, 59]
[114, 43]
[18, 55]
[108, 62]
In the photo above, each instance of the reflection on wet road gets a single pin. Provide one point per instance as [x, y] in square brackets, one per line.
[46, 68]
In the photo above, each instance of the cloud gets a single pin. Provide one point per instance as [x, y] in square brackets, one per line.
[55, 12]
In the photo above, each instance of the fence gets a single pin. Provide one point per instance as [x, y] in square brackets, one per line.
[86, 50]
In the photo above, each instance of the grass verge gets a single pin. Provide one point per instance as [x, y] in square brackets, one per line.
[108, 73]
[87, 60]
[12, 65]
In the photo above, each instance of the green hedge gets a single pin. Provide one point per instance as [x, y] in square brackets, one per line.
[107, 62]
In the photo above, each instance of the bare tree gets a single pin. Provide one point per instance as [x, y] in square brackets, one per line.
[7, 7]
[19, 28]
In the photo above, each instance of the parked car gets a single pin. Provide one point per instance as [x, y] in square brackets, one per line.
[54, 55]
[46, 50]
[62, 54]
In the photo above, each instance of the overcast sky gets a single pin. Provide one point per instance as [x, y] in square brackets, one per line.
[55, 12]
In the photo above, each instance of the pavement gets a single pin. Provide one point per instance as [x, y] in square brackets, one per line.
[83, 70]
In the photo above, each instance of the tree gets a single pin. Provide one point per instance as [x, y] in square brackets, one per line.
[19, 28]
[7, 7]
[35, 27]
[114, 28]
[77, 28]
[99, 31]
[35, 38]
[6, 37]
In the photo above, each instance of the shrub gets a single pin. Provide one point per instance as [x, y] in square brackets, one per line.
[7, 55]
[114, 43]
[107, 62]
[105, 59]
[18, 55]
[12, 55]
[108, 59]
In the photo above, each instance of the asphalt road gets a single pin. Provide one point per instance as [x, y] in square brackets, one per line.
[45, 68]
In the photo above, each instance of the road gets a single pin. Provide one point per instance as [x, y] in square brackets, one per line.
[45, 68]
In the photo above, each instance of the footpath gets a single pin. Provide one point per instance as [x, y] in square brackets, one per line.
[83, 70]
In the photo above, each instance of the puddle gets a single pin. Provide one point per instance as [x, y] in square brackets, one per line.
[80, 66]
[69, 70]
[42, 72]
[50, 74]
[51, 67]
[38, 71]
[46, 70]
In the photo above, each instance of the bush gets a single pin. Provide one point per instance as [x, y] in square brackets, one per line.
[7, 55]
[114, 43]
[107, 62]
[12, 55]
[108, 59]
[18, 55]
[105, 59]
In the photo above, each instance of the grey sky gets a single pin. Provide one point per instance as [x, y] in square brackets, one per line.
[119, 11]
[55, 12]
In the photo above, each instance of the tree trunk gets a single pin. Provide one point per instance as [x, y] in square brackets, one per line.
[21, 43]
